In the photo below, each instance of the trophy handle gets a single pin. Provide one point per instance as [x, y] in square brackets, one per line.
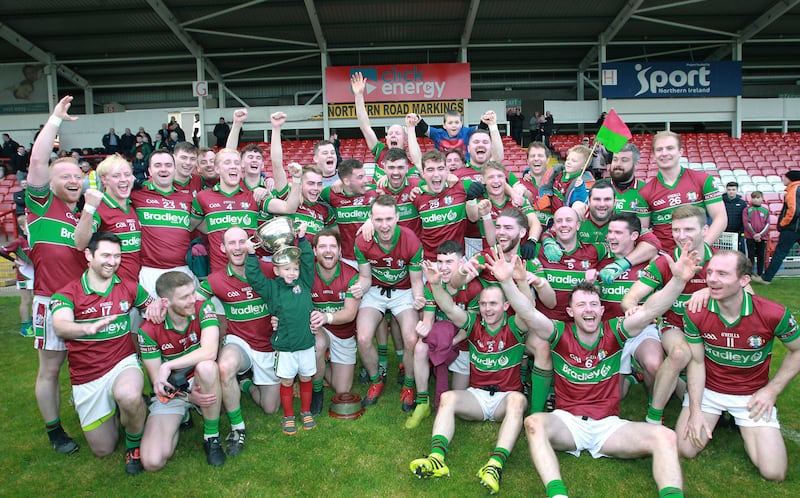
[256, 240]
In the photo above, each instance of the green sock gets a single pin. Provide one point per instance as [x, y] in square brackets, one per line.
[670, 491]
[439, 445]
[422, 398]
[408, 382]
[541, 380]
[133, 440]
[317, 385]
[210, 428]
[500, 455]
[246, 385]
[399, 353]
[54, 425]
[555, 488]
[237, 422]
[383, 355]
[654, 415]
[375, 379]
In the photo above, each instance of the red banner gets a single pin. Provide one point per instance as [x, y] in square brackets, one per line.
[401, 82]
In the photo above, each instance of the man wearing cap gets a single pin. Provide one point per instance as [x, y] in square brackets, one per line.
[788, 226]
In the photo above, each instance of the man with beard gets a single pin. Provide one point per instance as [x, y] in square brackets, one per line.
[51, 198]
[537, 180]
[333, 318]
[91, 314]
[205, 167]
[184, 344]
[587, 414]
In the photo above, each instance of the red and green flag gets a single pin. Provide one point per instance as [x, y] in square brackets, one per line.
[614, 133]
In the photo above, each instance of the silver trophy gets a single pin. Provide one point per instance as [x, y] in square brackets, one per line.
[277, 236]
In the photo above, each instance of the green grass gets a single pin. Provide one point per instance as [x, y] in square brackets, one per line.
[365, 457]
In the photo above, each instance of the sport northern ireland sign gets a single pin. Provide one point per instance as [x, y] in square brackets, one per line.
[638, 80]
[401, 82]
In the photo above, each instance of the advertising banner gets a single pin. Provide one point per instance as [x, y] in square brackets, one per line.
[639, 80]
[401, 82]
[397, 109]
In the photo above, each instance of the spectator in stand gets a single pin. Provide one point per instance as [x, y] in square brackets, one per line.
[164, 131]
[174, 126]
[172, 140]
[516, 121]
[547, 129]
[111, 141]
[145, 134]
[755, 219]
[19, 198]
[788, 226]
[196, 131]
[19, 163]
[139, 167]
[142, 145]
[535, 126]
[221, 131]
[160, 143]
[735, 206]
[126, 142]
[9, 146]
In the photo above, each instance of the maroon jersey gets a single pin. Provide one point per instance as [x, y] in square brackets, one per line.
[566, 273]
[691, 187]
[51, 232]
[409, 217]
[164, 218]
[193, 185]
[351, 212]
[587, 378]
[329, 296]
[92, 356]
[443, 216]
[222, 211]
[495, 356]
[737, 355]
[657, 274]
[164, 341]
[465, 297]
[390, 267]
[317, 216]
[122, 221]
[247, 314]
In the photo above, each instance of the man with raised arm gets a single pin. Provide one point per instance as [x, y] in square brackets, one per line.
[586, 351]
[51, 198]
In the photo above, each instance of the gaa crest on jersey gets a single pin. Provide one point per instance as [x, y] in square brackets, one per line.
[501, 345]
[404, 198]
[245, 205]
[184, 206]
[124, 306]
[297, 289]
[585, 264]
[755, 341]
[448, 200]
[691, 195]
[342, 295]
[193, 337]
[601, 355]
[401, 263]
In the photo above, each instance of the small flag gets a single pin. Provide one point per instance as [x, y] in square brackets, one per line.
[614, 133]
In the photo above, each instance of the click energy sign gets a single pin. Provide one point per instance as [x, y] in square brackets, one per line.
[401, 82]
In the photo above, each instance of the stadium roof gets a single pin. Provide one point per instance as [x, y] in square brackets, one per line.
[268, 50]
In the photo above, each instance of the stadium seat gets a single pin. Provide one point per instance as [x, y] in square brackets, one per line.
[740, 172]
[771, 197]
[775, 208]
[765, 187]
[774, 179]
[758, 179]
[746, 187]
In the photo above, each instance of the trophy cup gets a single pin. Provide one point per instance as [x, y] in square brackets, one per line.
[277, 236]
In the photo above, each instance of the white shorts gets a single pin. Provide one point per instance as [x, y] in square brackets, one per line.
[175, 406]
[262, 363]
[94, 401]
[461, 364]
[488, 401]
[629, 349]
[342, 350]
[401, 300]
[291, 363]
[148, 276]
[715, 403]
[589, 434]
[45, 337]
